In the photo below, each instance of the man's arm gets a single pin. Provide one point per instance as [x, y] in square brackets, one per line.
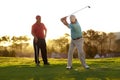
[64, 21]
[45, 30]
[33, 34]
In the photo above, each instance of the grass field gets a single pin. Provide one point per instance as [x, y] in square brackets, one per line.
[25, 69]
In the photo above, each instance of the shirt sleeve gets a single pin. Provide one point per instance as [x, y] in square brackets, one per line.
[69, 26]
[32, 30]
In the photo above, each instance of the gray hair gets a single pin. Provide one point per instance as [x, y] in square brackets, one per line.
[72, 16]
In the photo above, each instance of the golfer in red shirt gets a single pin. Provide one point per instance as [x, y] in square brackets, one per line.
[39, 32]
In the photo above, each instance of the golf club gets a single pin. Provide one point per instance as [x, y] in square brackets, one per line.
[80, 10]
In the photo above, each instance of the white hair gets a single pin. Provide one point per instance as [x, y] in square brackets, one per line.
[72, 16]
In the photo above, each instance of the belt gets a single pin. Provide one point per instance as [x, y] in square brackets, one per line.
[77, 38]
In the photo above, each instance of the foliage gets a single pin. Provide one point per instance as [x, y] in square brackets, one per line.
[118, 45]
[95, 42]
[90, 51]
[16, 44]
[98, 42]
[6, 53]
[59, 45]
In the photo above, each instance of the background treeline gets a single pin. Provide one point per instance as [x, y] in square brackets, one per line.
[14, 46]
[95, 42]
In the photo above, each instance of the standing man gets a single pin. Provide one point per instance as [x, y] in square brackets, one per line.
[76, 41]
[39, 32]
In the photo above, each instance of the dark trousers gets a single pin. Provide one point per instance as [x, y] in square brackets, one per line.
[40, 45]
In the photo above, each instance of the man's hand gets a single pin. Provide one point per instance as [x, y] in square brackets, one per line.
[64, 21]
[36, 39]
[64, 18]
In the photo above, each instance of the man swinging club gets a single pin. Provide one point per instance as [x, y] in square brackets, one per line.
[76, 41]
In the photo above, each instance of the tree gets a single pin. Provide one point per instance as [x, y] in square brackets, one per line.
[60, 44]
[118, 45]
[20, 42]
[90, 51]
[102, 39]
[5, 41]
[110, 37]
[91, 36]
[91, 43]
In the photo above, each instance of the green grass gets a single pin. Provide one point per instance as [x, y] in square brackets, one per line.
[25, 69]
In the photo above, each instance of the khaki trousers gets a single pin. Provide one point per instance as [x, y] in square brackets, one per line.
[81, 54]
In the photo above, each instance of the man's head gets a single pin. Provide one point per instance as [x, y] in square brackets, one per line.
[38, 18]
[73, 19]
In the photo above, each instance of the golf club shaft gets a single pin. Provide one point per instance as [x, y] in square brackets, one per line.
[80, 10]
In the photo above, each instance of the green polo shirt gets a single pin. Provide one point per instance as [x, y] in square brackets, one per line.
[75, 30]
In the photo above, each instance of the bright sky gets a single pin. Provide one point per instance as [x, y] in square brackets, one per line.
[17, 16]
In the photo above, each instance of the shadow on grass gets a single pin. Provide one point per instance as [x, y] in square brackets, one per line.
[58, 72]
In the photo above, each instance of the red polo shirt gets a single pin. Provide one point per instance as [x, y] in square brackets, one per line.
[38, 30]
